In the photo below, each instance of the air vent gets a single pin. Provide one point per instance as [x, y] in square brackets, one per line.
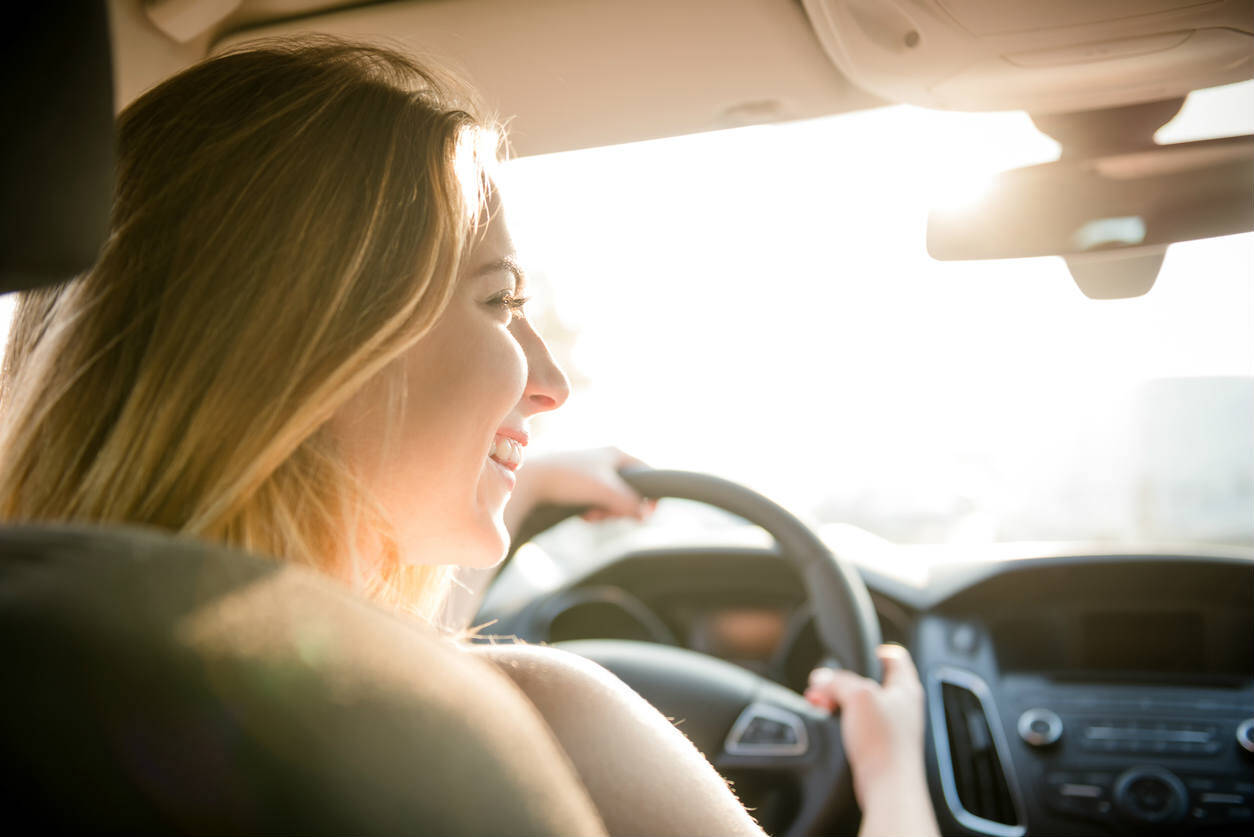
[978, 784]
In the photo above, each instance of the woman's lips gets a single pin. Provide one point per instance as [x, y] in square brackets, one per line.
[506, 473]
[518, 434]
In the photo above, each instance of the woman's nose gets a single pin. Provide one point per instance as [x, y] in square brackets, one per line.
[547, 385]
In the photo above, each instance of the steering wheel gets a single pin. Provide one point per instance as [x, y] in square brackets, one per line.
[739, 719]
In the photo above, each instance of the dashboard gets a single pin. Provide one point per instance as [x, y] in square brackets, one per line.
[742, 605]
[1068, 692]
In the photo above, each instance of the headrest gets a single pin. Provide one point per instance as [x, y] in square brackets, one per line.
[56, 149]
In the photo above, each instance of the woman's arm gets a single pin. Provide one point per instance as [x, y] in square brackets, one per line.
[642, 774]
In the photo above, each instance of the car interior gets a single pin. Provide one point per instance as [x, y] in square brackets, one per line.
[1075, 684]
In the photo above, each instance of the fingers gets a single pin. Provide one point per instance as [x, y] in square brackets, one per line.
[591, 478]
[832, 688]
[607, 493]
[821, 699]
[635, 506]
[620, 499]
[899, 670]
[626, 460]
[818, 693]
[640, 510]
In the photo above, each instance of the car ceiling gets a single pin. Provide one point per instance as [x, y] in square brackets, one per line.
[567, 74]
[578, 73]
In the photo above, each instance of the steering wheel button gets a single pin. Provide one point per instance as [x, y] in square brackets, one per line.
[761, 731]
[765, 730]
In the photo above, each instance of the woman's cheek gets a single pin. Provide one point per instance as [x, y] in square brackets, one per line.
[516, 363]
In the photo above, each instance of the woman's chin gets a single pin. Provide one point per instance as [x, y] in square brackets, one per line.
[481, 544]
[489, 551]
[487, 545]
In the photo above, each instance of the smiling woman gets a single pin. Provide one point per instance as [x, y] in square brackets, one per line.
[290, 222]
[305, 339]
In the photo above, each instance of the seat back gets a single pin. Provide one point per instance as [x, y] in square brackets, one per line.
[155, 683]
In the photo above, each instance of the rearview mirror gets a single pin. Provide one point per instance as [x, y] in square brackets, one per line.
[1137, 201]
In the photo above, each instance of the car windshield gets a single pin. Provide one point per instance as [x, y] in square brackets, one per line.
[759, 303]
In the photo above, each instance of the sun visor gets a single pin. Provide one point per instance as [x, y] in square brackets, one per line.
[1067, 55]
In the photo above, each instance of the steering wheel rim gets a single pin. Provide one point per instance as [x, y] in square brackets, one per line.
[844, 616]
[684, 683]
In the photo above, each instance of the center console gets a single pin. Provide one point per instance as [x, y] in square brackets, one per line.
[1093, 699]
[1133, 757]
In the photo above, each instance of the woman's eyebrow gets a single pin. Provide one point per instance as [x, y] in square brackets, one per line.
[508, 264]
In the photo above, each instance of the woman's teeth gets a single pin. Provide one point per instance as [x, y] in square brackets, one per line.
[507, 452]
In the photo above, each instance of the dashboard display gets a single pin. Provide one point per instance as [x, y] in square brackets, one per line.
[1175, 642]
[1153, 642]
[739, 633]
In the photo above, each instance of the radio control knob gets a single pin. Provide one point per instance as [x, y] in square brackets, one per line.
[1245, 735]
[1040, 727]
[1151, 795]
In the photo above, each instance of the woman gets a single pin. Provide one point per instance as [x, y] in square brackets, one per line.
[305, 338]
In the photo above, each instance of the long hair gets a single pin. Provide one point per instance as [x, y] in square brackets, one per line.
[289, 218]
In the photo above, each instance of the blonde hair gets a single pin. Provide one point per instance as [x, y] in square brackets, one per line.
[289, 218]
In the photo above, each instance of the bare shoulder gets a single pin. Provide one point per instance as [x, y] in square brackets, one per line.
[554, 671]
[657, 782]
[515, 654]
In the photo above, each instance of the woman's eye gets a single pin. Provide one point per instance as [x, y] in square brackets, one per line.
[507, 301]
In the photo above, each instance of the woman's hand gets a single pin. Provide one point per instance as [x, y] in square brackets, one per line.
[577, 478]
[882, 728]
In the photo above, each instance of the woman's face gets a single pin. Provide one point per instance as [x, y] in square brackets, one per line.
[447, 469]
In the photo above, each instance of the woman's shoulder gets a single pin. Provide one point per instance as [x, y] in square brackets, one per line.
[523, 661]
[657, 782]
[558, 677]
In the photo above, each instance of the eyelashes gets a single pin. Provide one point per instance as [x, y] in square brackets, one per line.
[511, 303]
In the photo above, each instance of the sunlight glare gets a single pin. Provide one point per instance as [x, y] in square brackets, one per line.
[960, 191]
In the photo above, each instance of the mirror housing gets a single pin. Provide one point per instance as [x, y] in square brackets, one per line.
[1093, 210]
